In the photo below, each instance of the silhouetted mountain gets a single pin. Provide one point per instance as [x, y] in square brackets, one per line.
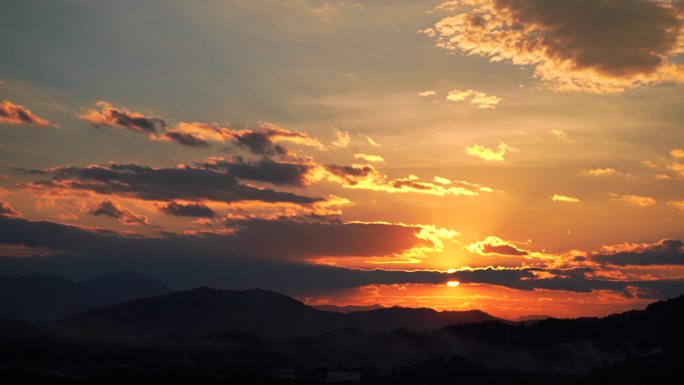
[206, 311]
[38, 298]
[421, 319]
[347, 308]
[637, 347]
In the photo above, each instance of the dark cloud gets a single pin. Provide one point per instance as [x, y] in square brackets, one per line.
[186, 139]
[7, 211]
[114, 210]
[196, 210]
[664, 252]
[502, 249]
[15, 114]
[350, 174]
[109, 115]
[265, 239]
[579, 44]
[264, 170]
[264, 139]
[617, 38]
[259, 142]
[230, 261]
[411, 183]
[162, 184]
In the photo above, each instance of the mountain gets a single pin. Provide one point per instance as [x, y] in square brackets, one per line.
[421, 319]
[39, 298]
[205, 311]
[347, 308]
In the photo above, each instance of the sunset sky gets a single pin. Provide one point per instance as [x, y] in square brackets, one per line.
[350, 152]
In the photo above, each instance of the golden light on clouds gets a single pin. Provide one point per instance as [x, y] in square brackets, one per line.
[564, 198]
[476, 98]
[489, 154]
[566, 52]
[637, 200]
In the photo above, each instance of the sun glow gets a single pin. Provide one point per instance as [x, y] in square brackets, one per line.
[453, 283]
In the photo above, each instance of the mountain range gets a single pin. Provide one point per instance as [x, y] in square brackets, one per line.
[205, 311]
[39, 298]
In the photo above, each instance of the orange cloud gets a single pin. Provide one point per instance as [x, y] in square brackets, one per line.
[599, 172]
[496, 245]
[15, 114]
[638, 200]
[370, 158]
[114, 210]
[478, 99]
[488, 154]
[564, 198]
[366, 177]
[108, 115]
[342, 139]
[583, 45]
[677, 204]
[7, 211]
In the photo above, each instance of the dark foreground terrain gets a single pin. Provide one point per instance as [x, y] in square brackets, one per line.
[208, 336]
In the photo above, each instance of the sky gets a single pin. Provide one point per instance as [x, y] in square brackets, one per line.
[515, 156]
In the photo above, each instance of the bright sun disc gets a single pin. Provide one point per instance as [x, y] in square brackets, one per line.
[453, 283]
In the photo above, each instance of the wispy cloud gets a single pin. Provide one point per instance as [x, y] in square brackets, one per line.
[564, 198]
[489, 154]
[638, 200]
[342, 139]
[600, 172]
[114, 210]
[370, 158]
[476, 98]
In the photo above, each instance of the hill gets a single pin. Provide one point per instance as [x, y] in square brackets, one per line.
[39, 298]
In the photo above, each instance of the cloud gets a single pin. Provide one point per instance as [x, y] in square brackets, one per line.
[561, 135]
[342, 139]
[264, 170]
[639, 200]
[15, 114]
[677, 204]
[677, 153]
[279, 239]
[159, 184]
[263, 139]
[564, 198]
[366, 177]
[478, 99]
[427, 93]
[111, 116]
[599, 172]
[488, 154]
[370, 158]
[7, 211]
[664, 252]
[350, 175]
[496, 245]
[372, 142]
[195, 210]
[267, 254]
[185, 138]
[582, 45]
[114, 210]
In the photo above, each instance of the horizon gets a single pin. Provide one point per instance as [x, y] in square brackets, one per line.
[514, 157]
